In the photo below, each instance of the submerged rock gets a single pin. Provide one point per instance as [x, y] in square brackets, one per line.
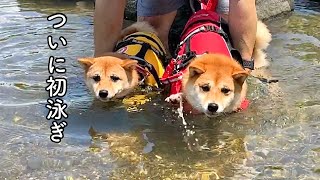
[271, 8]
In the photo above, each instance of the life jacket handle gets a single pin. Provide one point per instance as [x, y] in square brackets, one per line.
[210, 5]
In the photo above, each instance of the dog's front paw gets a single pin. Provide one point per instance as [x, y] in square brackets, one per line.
[174, 98]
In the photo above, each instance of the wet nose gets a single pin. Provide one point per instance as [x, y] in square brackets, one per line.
[213, 107]
[103, 93]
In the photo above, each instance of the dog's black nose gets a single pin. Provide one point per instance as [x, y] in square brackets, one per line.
[213, 107]
[103, 93]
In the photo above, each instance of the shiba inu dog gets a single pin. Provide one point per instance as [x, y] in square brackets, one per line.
[207, 71]
[215, 83]
[137, 58]
[110, 76]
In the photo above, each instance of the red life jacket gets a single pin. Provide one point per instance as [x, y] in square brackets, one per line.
[210, 5]
[202, 34]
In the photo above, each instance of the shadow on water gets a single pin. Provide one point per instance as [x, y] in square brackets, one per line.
[276, 138]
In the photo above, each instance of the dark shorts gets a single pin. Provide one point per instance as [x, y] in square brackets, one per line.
[157, 7]
[160, 7]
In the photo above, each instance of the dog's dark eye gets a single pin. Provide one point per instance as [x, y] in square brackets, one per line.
[96, 78]
[205, 88]
[114, 78]
[225, 90]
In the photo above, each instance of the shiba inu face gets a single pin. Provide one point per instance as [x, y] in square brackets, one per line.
[213, 84]
[110, 77]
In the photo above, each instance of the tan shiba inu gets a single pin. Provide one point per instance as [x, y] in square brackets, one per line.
[137, 57]
[215, 83]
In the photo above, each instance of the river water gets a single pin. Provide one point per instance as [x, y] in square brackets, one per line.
[278, 137]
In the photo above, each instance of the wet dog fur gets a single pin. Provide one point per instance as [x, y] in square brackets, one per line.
[113, 75]
[214, 83]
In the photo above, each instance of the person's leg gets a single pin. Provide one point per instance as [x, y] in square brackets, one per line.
[243, 26]
[242, 18]
[162, 25]
[223, 9]
[160, 14]
[108, 20]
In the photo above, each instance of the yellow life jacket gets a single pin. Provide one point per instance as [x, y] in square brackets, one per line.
[149, 51]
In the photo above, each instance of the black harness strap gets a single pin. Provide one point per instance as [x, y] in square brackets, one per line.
[149, 38]
[150, 67]
[127, 42]
[141, 55]
[202, 21]
[188, 46]
[143, 51]
[208, 28]
[186, 59]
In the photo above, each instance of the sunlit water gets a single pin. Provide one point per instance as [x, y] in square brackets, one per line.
[278, 137]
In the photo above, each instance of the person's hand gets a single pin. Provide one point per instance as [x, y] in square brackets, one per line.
[248, 70]
[248, 63]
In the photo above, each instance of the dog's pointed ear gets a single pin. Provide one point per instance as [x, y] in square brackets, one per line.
[240, 75]
[196, 69]
[86, 62]
[129, 64]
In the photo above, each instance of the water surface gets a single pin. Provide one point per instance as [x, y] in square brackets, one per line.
[278, 137]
